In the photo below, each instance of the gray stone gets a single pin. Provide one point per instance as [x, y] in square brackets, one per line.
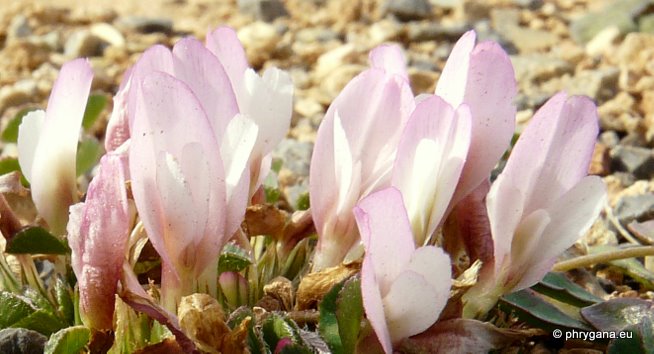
[539, 68]
[600, 84]
[108, 34]
[635, 207]
[20, 92]
[429, 31]
[293, 177]
[296, 156]
[265, 10]
[506, 22]
[447, 4]
[19, 27]
[21, 341]
[409, 10]
[530, 4]
[621, 14]
[145, 24]
[82, 43]
[635, 160]
[609, 138]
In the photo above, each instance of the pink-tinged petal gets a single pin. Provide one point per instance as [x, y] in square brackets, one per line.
[554, 151]
[386, 234]
[483, 78]
[181, 153]
[225, 45]
[183, 228]
[430, 158]
[156, 59]
[390, 58]
[29, 133]
[504, 205]
[525, 247]
[236, 149]
[434, 265]
[571, 215]
[98, 232]
[411, 305]
[373, 109]
[373, 305]
[56, 151]
[268, 100]
[204, 74]
[117, 131]
[452, 83]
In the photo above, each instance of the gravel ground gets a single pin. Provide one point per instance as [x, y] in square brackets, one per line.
[600, 48]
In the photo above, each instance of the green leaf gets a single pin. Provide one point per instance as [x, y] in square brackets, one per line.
[274, 328]
[94, 107]
[295, 349]
[39, 301]
[41, 321]
[638, 339]
[528, 306]
[10, 134]
[9, 164]
[341, 312]
[32, 240]
[89, 152]
[328, 322]
[558, 286]
[276, 165]
[303, 202]
[14, 308]
[349, 313]
[233, 259]
[617, 314]
[296, 260]
[64, 298]
[271, 187]
[69, 340]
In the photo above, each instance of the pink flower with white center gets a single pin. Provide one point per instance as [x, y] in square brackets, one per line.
[179, 185]
[543, 201]
[231, 93]
[430, 157]
[47, 144]
[404, 289]
[355, 149]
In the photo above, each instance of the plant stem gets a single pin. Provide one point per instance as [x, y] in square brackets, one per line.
[603, 257]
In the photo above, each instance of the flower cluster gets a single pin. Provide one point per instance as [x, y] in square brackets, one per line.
[392, 176]
[392, 158]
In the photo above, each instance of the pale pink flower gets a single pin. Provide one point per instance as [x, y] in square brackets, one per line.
[404, 289]
[543, 201]
[47, 144]
[355, 149]
[179, 185]
[430, 157]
